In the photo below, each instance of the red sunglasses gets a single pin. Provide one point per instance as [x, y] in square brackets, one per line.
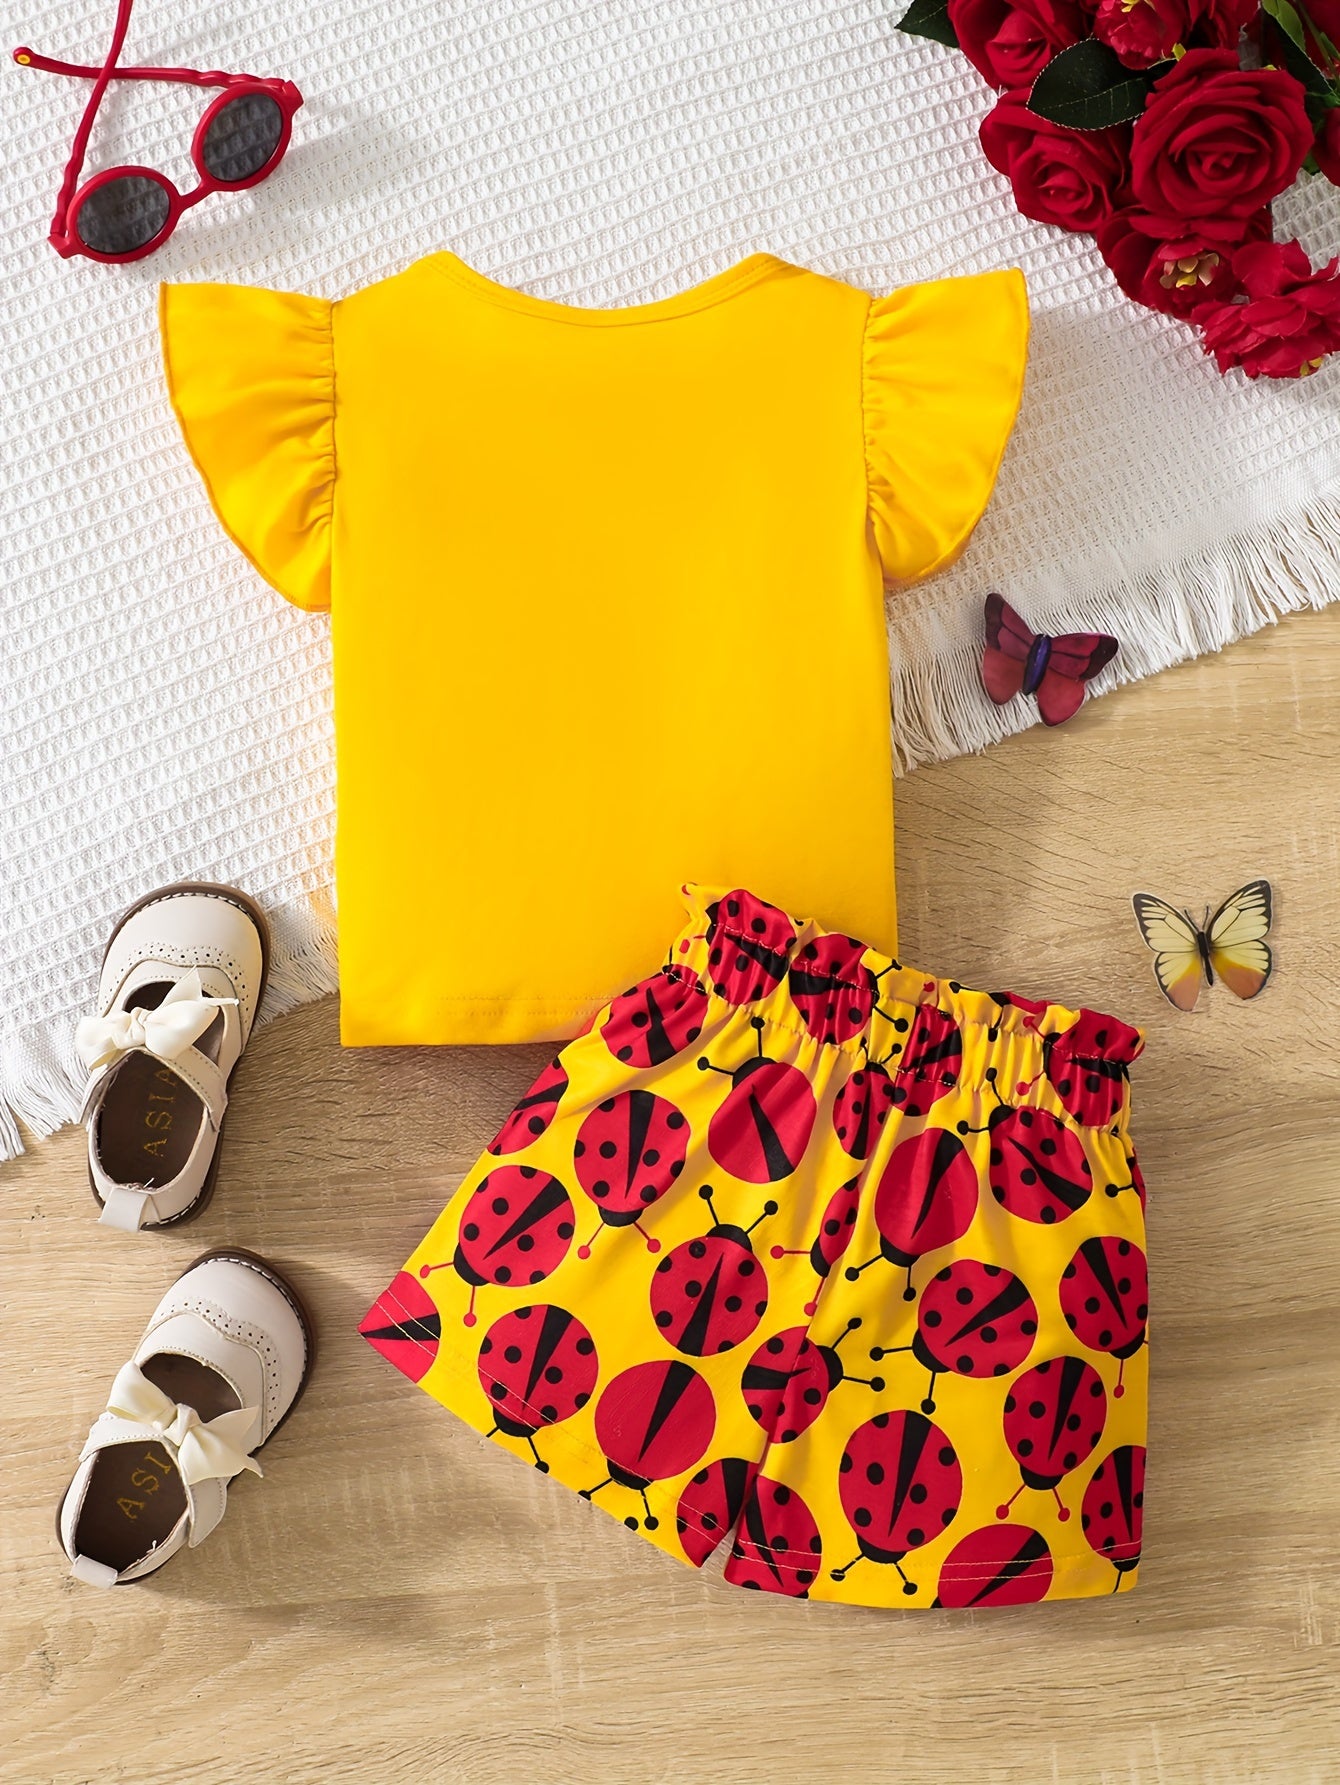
[124, 213]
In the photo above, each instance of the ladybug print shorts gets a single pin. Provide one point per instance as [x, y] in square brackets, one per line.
[802, 1252]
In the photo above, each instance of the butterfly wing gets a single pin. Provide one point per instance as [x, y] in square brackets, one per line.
[1059, 698]
[1237, 939]
[1008, 642]
[1074, 657]
[1176, 948]
[1080, 655]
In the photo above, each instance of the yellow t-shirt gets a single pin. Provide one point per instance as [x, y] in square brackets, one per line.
[605, 590]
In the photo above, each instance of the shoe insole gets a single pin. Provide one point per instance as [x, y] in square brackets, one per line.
[150, 1118]
[135, 1495]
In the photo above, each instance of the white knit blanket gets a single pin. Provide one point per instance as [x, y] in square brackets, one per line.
[164, 716]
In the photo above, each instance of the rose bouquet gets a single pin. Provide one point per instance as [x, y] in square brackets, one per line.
[1164, 129]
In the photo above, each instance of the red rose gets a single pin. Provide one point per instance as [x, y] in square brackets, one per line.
[1073, 178]
[1216, 140]
[1179, 274]
[1010, 44]
[1289, 321]
[1327, 146]
[1143, 32]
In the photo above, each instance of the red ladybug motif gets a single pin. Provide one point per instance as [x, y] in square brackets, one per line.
[927, 1197]
[653, 1420]
[930, 1060]
[788, 1380]
[538, 1367]
[710, 1505]
[653, 1021]
[861, 1108]
[515, 1230]
[748, 945]
[405, 1326]
[1037, 1168]
[975, 1319]
[834, 1236]
[900, 1483]
[628, 1153]
[1086, 1066]
[1112, 1513]
[996, 1565]
[710, 1293]
[760, 1133]
[1105, 1299]
[534, 1113]
[832, 988]
[777, 1546]
[1054, 1418]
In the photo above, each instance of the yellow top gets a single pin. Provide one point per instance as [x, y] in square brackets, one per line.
[606, 598]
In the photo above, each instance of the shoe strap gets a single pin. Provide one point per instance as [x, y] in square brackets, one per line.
[168, 1033]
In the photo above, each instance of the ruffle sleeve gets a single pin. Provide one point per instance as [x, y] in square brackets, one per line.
[943, 373]
[251, 375]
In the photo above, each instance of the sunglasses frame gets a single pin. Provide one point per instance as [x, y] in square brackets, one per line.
[64, 236]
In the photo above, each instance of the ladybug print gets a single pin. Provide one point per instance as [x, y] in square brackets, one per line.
[861, 1108]
[1113, 1510]
[832, 988]
[1054, 1418]
[975, 1319]
[926, 1198]
[1136, 1181]
[405, 1326]
[931, 1060]
[628, 1153]
[788, 1380]
[1086, 1067]
[900, 1483]
[760, 1133]
[777, 1546]
[653, 1021]
[537, 1366]
[710, 1293]
[653, 1420]
[1105, 1299]
[996, 1565]
[515, 1231]
[835, 1231]
[1037, 1169]
[710, 1505]
[534, 1113]
[748, 944]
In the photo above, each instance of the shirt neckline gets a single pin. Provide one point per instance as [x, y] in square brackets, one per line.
[681, 303]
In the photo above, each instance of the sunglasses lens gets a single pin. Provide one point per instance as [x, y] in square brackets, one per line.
[123, 215]
[242, 138]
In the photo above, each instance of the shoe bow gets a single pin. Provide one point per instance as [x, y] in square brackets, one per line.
[166, 1032]
[201, 1449]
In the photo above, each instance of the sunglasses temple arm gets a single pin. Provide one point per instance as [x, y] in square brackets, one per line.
[74, 166]
[190, 76]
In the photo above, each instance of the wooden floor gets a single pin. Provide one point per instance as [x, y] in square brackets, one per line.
[399, 1601]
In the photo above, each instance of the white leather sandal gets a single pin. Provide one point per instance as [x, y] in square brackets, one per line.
[181, 981]
[218, 1371]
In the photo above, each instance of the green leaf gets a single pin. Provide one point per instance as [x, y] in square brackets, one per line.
[929, 18]
[1087, 88]
[1286, 17]
[1284, 48]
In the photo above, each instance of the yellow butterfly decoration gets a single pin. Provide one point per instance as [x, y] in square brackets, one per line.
[1232, 944]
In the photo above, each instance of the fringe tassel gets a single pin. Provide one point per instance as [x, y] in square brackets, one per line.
[1199, 603]
[42, 1080]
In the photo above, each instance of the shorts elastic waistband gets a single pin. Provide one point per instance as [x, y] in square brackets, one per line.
[922, 1031]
